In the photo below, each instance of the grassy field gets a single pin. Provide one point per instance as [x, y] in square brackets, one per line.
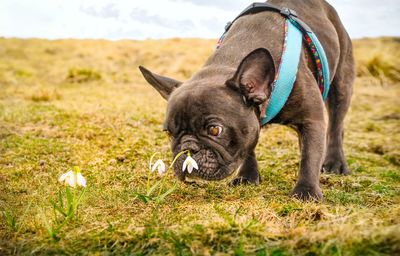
[83, 103]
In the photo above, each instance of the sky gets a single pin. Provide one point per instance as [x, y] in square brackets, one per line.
[141, 19]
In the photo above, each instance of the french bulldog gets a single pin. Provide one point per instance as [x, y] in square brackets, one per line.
[215, 114]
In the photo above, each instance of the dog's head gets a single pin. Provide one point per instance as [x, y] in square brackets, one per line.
[217, 123]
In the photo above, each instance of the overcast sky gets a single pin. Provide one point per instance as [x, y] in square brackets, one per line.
[142, 19]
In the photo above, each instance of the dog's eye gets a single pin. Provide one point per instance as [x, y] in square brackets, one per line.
[214, 130]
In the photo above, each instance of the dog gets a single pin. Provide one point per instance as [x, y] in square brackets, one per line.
[215, 115]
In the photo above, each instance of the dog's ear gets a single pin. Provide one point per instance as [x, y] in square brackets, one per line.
[254, 76]
[163, 85]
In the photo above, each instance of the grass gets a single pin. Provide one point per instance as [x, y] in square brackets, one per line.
[107, 120]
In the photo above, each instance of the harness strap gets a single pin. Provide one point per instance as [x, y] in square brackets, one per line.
[261, 7]
[286, 76]
[252, 9]
[295, 30]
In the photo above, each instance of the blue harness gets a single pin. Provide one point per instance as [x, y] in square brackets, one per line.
[295, 31]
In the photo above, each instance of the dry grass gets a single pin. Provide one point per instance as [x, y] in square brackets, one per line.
[378, 58]
[69, 102]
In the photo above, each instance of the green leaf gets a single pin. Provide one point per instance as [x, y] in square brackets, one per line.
[60, 199]
[80, 197]
[48, 228]
[154, 187]
[58, 208]
[70, 198]
[22, 218]
[143, 198]
[10, 219]
[70, 202]
[169, 191]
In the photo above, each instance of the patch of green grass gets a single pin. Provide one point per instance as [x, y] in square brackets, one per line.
[10, 220]
[108, 121]
[287, 209]
[393, 175]
[343, 198]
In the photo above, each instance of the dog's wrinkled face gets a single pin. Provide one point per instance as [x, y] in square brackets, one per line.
[215, 125]
[218, 123]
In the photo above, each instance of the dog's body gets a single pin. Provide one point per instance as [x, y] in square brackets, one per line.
[207, 115]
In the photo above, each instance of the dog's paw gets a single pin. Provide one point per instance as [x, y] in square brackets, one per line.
[307, 193]
[335, 165]
[243, 181]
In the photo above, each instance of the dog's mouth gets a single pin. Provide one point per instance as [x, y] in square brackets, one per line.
[209, 166]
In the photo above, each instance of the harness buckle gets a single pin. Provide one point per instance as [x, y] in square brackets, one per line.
[288, 12]
[228, 25]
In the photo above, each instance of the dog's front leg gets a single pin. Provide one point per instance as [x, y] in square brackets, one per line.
[312, 139]
[248, 172]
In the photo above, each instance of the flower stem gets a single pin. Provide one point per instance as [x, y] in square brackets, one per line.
[161, 186]
[177, 156]
[171, 165]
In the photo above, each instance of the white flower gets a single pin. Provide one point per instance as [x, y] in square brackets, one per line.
[190, 163]
[160, 166]
[73, 179]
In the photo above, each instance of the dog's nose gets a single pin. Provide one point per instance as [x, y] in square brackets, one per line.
[190, 143]
[193, 148]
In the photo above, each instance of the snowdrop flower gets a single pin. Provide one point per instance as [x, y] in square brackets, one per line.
[160, 166]
[189, 163]
[73, 179]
